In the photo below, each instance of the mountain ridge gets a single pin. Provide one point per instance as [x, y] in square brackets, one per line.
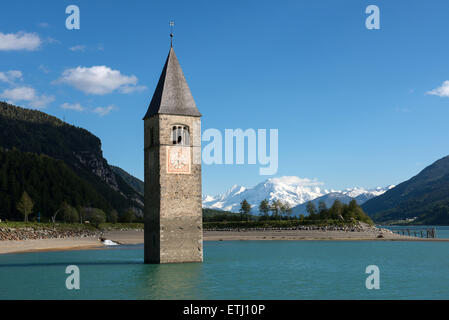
[293, 190]
[424, 198]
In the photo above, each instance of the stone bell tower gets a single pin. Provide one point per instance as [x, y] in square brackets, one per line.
[173, 202]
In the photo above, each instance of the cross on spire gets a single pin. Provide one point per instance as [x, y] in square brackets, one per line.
[172, 24]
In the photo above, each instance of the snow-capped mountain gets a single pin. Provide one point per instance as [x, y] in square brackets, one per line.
[290, 189]
[361, 195]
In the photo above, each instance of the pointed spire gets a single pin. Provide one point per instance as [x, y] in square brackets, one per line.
[172, 94]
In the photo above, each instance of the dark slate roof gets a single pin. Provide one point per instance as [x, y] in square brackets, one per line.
[172, 94]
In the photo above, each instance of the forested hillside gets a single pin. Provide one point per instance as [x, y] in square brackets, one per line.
[53, 162]
[423, 199]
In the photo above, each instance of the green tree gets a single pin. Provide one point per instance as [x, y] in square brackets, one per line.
[264, 207]
[336, 211]
[322, 210]
[286, 209]
[114, 216]
[245, 209]
[70, 214]
[311, 209]
[129, 216]
[275, 208]
[95, 216]
[25, 205]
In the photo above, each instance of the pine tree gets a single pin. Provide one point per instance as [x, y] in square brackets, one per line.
[245, 209]
[276, 208]
[322, 210]
[311, 209]
[264, 207]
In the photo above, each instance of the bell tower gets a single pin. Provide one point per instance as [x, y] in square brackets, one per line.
[173, 201]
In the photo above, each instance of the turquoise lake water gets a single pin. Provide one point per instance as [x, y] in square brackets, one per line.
[237, 270]
[441, 231]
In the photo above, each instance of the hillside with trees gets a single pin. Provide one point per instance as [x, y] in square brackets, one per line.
[54, 163]
[424, 199]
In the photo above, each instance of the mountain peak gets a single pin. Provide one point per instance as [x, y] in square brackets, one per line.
[290, 189]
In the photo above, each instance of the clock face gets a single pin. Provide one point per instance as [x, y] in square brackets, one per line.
[178, 160]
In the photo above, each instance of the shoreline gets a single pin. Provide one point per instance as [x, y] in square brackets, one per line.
[132, 237]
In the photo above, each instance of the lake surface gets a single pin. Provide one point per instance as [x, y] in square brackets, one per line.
[237, 270]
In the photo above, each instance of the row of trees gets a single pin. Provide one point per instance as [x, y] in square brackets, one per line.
[70, 214]
[278, 209]
[338, 211]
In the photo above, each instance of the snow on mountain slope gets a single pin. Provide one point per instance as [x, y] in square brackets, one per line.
[290, 189]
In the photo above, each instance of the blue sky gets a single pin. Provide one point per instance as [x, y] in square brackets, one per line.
[352, 105]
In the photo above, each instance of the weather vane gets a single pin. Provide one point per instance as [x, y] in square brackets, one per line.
[172, 24]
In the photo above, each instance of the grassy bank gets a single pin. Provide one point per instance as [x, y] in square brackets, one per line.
[70, 226]
[276, 224]
[206, 225]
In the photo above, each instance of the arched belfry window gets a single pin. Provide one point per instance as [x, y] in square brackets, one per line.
[180, 135]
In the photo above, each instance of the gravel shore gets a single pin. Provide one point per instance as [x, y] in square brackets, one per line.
[8, 234]
[69, 241]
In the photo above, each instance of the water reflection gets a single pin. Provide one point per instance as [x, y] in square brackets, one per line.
[170, 281]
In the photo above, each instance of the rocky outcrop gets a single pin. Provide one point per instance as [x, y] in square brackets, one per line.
[98, 166]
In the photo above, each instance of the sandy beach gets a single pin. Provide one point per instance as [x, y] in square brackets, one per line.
[136, 236]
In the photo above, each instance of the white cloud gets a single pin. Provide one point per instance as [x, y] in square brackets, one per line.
[28, 95]
[99, 80]
[19, 41]
[442, 91]
[102, 111]
[75, 106]
[10, 76]
[78, 48]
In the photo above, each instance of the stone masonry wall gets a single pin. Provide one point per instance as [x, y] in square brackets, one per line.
[173, 208]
